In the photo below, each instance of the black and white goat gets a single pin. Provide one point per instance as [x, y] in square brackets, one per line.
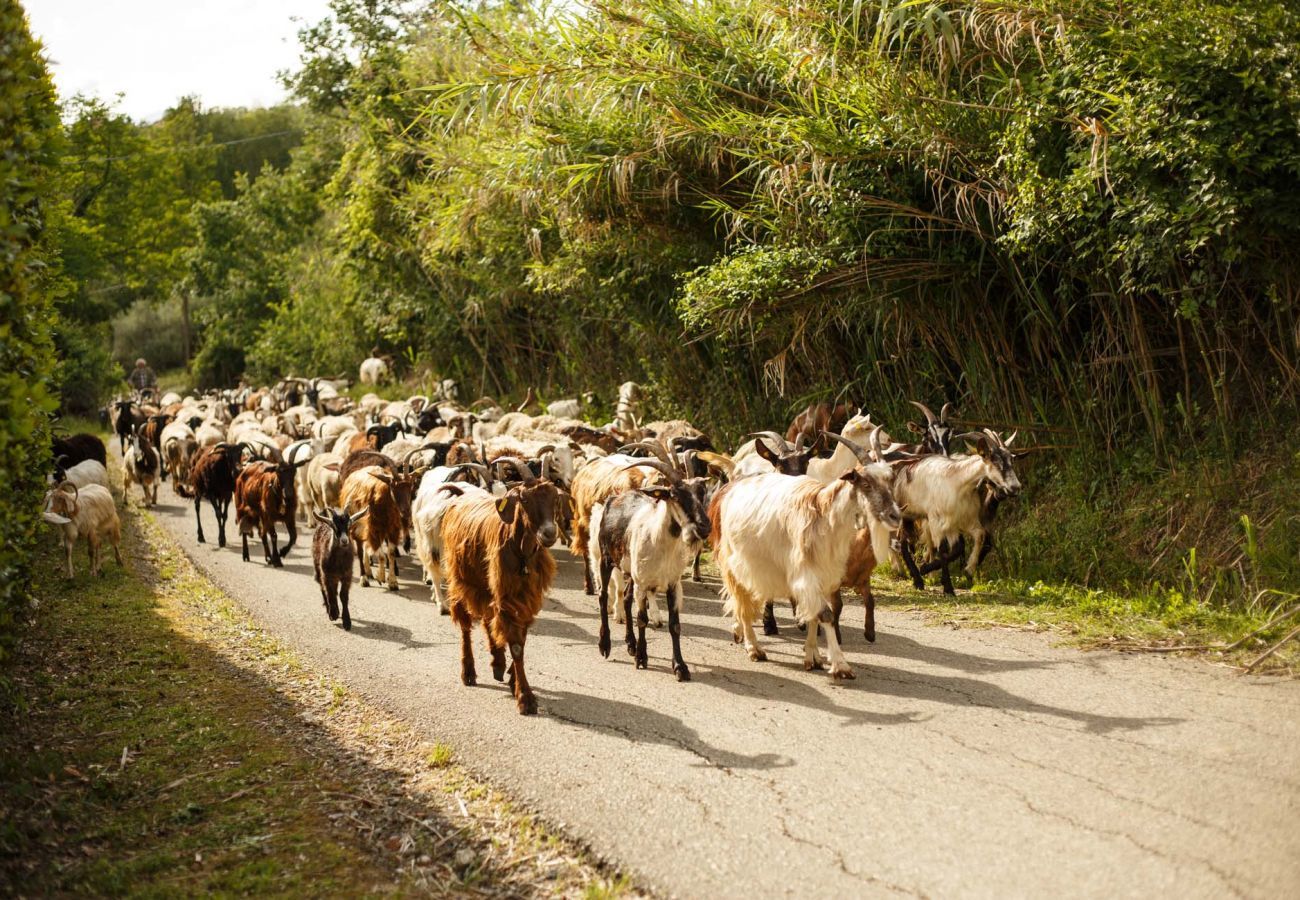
[642, 541]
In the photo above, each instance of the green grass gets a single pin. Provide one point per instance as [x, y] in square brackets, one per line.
[139, 761]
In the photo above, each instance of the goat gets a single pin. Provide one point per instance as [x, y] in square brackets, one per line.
[777, 536]
[140, 465]
[88, 471]
[757, 457]
[86, 512]
[378, 490]
[152, 432]
[628, 410]
[128, 417]
[322, 481]
[266, 493]
[331, 554]
[594, 483]
[374, 370]
[79, 447]
[375, 437]
[816, 419]
[938, 431]
[648, 537]
[943, 497]
[178, 448]
[437, 492]
[572, 407]
[498, 569]
[212, 477]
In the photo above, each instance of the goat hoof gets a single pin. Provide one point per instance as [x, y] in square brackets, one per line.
[682, 673]
[870, 635]
[803, 626]
[428, 582]
[813, 665]
[844, 674]
[347, 624]
[499, 671]
[528, 705]
[770, 629]
[394, 588]
[631, 650]
[276, 563]
[604, 646]
[918, 584]
[469, 679]
[642, 662]
[757, 655]
[735, 634]
[445, 611]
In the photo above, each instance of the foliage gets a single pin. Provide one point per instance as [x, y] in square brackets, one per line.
[29, 136]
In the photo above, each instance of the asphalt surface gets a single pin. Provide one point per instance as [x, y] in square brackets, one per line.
[981, 763]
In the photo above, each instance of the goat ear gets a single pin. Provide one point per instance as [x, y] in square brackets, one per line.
[763, 450]
[333, 467]
[506, 508]
[914, 428]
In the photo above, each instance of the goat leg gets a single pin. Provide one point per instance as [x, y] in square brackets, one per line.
[769, 619]
[837, 607]
[498, 651]
[905, 550]
[198, 518]
[675, 631]
[869, 627]
[642, 619]
[628, 587]
[523, 693]
[945, 577]
[344, 585]
[461, 617]
[292, 527]
[588, 584]
[695, 573]
[606, 572]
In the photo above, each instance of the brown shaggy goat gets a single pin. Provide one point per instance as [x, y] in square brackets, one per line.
[265, 493]
[498, 570]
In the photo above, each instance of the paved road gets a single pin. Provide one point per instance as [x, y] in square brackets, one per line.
[959, 763]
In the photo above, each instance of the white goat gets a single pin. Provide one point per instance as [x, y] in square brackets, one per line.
[435, 495]
[88, 471]
[89, 513]
[781, 536]
[941, 496]
[374, 371]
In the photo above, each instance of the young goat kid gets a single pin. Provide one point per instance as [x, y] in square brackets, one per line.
[648, 537]
[499, 567]
[331, 554]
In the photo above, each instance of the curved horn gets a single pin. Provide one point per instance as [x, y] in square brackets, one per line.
[929, 416]
[653, 446]
[546, 466]
[874, 442]
[673, 476]
[799, 440]
[943, 413]
[75, 493]
[1008, 441]
[406, 460]
[472, 467]
[525, 473]
[717, 459]
[780, 443]
[863, 456]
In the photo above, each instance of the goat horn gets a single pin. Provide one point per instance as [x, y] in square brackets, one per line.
[717, 459]
[1008, 441]
[799, 440]
[658, 465]
[525, 473]
[863, 456]
[929, 416]
[970, 436]
[75, 493]
[943, 413]
[780, 443]
[473, 467]
[653, 446]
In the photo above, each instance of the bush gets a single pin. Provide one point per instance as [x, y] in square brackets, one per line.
[29, 126]
[87, 374]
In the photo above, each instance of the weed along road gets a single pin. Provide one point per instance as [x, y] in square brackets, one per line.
[958, 763]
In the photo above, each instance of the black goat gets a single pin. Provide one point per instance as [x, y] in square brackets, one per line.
[212, 477]
[75, 448]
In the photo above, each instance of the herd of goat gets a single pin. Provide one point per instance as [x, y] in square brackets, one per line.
[481, 494]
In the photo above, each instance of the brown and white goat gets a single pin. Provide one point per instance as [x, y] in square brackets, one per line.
[141, 465]
[499, 567]
[648, 537]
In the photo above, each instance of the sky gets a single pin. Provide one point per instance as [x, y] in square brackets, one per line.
[226, 52]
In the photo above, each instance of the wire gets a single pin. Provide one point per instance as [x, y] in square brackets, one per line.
[194, 147]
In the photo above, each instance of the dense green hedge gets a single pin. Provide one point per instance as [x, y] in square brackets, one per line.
[28, 131]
